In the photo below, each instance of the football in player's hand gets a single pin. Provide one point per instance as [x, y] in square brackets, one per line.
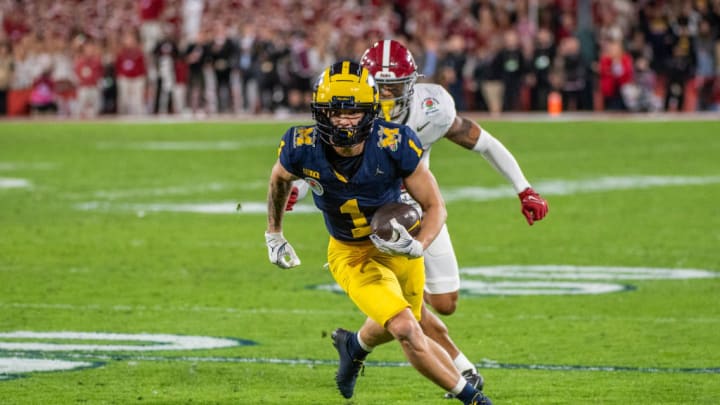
[404, 214]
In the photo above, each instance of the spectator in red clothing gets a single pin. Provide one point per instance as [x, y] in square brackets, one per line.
[88, 70]
[615, 70]
[151, 25]
[130, 71]
[14, 24]
[42, 95]
[716, 97]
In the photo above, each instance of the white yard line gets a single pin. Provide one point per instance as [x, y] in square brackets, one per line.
[6, 182]
[485, 364]
[451, 194]
[191, 145]
[143, 342]
[172, 309]
[204, 188]
[10, 166]
[569, 187]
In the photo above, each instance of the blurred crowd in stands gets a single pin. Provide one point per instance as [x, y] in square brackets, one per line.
[83, 58]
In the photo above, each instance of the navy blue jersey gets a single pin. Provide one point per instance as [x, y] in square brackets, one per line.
[392, 152]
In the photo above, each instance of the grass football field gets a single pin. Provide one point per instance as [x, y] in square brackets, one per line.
[127, 276]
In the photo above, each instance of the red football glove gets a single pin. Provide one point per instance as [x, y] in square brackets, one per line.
[534, 207]
[293, 199]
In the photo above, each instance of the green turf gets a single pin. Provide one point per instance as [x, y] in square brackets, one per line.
[123, 269]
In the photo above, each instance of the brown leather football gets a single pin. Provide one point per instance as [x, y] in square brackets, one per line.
[406, 215]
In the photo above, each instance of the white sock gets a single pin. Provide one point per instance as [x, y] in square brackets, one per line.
[363, 344]
[459, 386]
[463, 364]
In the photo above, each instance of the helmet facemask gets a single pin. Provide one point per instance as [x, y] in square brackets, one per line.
[343, 136]
[395, 95]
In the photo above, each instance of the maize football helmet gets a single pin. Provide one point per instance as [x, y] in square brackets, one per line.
[395, 71]
[344, 86]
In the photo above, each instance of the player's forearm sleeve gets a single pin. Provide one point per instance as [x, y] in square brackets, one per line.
[501, 159]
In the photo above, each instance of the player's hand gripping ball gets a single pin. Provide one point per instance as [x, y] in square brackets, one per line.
[404, 214]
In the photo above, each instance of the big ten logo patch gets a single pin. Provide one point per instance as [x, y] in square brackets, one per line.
[311, 173]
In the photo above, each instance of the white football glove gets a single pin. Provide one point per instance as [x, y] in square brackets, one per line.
[402, 243]
[280, 252]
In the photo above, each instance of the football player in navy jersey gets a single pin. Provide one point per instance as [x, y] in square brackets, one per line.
[430, 111]
[355, 163]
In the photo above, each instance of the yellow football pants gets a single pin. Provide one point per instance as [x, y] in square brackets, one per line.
[381, 285]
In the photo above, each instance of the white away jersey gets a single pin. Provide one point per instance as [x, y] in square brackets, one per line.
[432, 112]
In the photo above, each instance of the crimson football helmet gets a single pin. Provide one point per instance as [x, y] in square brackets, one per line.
[395, 71]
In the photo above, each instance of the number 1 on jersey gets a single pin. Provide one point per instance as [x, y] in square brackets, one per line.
[362, 228]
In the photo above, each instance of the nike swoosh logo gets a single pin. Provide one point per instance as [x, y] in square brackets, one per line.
[421, 127]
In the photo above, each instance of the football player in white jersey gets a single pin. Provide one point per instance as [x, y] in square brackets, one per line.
[430, 110]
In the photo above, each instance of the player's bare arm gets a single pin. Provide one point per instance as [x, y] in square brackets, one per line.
[278, 194]
[464, 132]
[280, 252]
[423, 187]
